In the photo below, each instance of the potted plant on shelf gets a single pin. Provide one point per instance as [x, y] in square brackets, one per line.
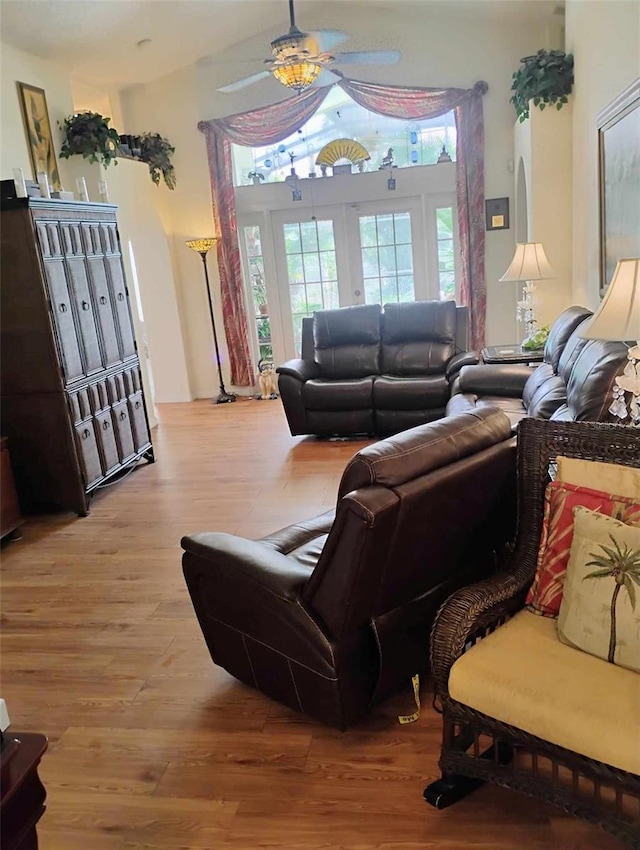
[89, 134]
[545, 78]
[256, 176]
[157, 151]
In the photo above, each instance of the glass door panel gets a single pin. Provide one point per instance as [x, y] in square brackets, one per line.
[387, 258]
[311, 270]
[258, 304]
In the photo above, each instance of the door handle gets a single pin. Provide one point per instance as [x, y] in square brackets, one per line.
[357, 292]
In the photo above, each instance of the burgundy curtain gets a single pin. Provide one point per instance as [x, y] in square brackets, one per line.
[274, 123]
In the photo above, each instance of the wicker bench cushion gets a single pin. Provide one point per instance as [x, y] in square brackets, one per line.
[522, 675]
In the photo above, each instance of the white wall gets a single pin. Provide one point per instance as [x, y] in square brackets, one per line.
[169, 106]
[544, 144]
[605, 40]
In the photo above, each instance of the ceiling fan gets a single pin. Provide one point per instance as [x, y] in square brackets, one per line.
[300, 59]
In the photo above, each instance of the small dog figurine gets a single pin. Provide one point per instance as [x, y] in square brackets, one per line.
[267, 380]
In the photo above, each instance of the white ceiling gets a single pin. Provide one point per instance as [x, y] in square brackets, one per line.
[97, 40]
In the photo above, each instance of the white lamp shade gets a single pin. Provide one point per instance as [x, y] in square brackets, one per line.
[618, 316]
[529, 263]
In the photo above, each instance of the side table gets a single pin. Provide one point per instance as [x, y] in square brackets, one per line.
[23, 794]
[511, 353]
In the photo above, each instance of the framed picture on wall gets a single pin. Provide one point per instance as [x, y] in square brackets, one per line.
[38, 130]
[619, 181]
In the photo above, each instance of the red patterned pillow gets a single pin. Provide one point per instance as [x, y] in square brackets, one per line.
[545, 594]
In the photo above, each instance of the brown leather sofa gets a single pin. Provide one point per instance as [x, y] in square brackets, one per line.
[374, 371]
[573, 383]
[331, 615]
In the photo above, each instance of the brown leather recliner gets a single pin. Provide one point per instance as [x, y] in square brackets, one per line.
[333, 614]
[574, 383]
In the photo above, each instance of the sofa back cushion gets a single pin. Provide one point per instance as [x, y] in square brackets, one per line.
[418, 338]
[561, 330]
[571, 351]
[347, 341]
[423, 449]
[590, 385]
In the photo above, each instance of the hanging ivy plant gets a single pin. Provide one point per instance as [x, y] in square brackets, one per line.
[545, 78]
[89, 134]
[157, 151]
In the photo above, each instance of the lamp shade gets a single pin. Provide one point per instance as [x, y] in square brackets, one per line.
[202, 245]
[529, 263]
[297, 75]
[618, 316]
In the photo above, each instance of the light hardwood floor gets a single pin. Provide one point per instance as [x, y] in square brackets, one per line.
[151, 746]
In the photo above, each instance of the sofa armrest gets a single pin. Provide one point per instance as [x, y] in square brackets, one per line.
[464, 358]
[500, 379]
[252, 560]
[303, 370]
[468, 613]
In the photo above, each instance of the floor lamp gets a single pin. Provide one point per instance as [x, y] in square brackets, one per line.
[203, 246]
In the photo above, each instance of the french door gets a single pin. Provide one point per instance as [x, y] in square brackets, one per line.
[328, 257]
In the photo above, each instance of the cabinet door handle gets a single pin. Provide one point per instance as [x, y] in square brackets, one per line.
[86, 434]
[138, 405]
[85, 305]
[105, 425]
[121, 296]
[63, 308]
[103, 300]
[123, 415]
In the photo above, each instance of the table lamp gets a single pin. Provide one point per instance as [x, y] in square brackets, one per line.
[203, 246]
[618, 319]
[528, 265]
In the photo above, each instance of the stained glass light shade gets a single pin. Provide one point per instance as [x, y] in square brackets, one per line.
[202, 245]
[297, 76]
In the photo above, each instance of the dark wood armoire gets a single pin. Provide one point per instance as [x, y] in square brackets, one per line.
[72, 402]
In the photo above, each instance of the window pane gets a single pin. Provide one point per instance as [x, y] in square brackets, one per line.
[309, 235]
[311, 268]
[325, 235]
[292, 238]
[445, 256]
[388, 260]
[372, 291]
[368, 233]
[298, 299]
[331, 299]
[389, 290]
[406, 289]
[444, 220]
[328, 265]
[385, 230]
[370, 266]
[447, 286]
[314, 297]
[404, 258]
[294, 268]
[403, 228]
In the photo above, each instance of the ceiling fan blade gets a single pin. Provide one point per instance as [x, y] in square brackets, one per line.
[246, 81]
[323, 41]
[375, 57]
[325, 78]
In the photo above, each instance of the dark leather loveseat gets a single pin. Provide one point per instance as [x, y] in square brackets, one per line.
[573, 383]
[331, 615]
[375, 371]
